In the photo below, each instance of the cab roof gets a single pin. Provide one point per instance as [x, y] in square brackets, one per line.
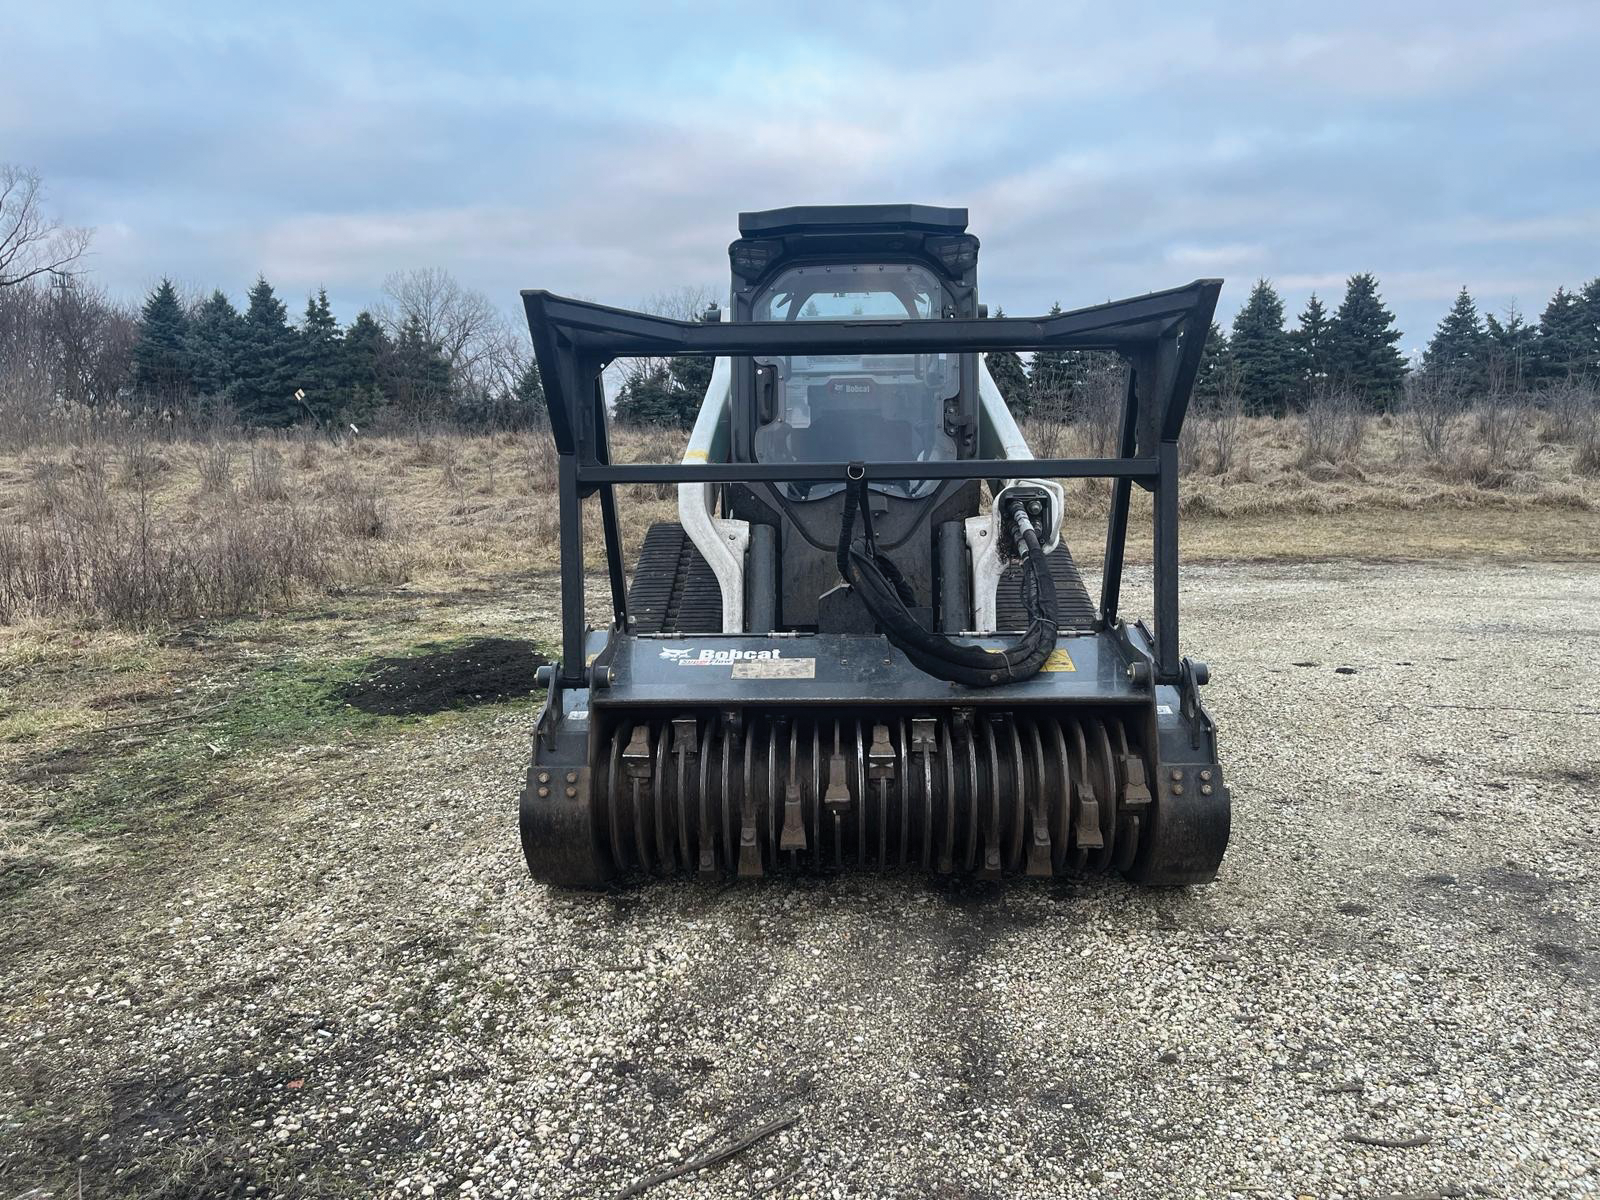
[839, 218]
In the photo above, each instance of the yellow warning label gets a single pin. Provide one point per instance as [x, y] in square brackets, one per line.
[695, 456]
[1059, 660]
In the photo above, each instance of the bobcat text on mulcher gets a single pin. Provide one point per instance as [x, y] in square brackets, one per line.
[837, 655]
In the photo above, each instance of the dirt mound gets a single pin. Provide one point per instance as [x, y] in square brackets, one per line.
[483, 671]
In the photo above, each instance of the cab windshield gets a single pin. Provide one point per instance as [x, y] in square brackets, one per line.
[871, 407]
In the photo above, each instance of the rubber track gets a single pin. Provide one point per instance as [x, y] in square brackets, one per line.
[1072, 598]
[673, 588]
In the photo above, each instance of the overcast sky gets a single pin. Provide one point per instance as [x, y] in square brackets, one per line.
[604, 150]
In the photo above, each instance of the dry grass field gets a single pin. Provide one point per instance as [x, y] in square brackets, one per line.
[133, 529]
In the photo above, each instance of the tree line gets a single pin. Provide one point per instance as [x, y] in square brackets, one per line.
[1269, 368]
[435, 350]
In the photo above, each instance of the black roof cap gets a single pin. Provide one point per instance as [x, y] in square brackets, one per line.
[797, 219]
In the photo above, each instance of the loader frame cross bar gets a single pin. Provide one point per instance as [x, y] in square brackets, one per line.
[1160, 335]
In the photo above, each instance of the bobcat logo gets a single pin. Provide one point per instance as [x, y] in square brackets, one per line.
[676, 655]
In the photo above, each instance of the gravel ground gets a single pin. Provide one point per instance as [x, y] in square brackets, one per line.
[361, 992]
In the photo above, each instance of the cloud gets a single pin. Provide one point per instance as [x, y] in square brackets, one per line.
[606, 150]
[1210, 258]
[1557, 227]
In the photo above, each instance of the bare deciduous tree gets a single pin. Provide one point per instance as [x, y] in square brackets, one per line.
[686, 303]
[68, 343]
[1096, 403]
[93, 342]
[32, 243]
[497, 365]
[464, 324]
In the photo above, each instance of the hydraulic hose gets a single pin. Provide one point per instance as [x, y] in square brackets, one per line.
[889, 597]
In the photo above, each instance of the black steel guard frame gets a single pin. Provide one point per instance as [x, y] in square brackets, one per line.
[1161, 336]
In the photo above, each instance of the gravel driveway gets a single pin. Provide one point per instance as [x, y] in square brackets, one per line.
[361, 992]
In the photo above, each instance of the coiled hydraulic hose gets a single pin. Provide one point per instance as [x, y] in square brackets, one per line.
[889, 597]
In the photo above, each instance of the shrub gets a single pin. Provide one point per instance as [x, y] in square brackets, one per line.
[1431, 409]
[1332, 429]
[358, 514]
[118, 556]
[1498, 427]
[265, 481]
[214, 464]
[1587, 459]
[1568, 412]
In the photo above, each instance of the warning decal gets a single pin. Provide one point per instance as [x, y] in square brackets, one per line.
[1059, 660]
[776, 668]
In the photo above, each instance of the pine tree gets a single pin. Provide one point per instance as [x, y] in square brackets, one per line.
[1458, 355]
[321, 358]
[1589, 329]
[265, 367]
[1361, 344]
[664, 394]
[160, 356]
[1558, 348]
[1511, 348]
[1262, 352]
[366, 352]
[1050, 381]
[1066, 385]
[1216, 365]
[691, 376]
[1010, 376]
[528, 395]
[1005, 368]
[649, 398]
[213, 344]
[419, 374]
[1310, 342]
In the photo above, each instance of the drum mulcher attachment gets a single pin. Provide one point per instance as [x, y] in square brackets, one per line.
[839, 655]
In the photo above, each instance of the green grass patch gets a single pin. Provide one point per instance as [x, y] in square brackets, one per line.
[189, 770]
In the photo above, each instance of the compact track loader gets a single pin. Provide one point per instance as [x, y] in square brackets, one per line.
[839, 654]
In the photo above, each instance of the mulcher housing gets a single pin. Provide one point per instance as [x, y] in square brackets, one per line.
[745, 710]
